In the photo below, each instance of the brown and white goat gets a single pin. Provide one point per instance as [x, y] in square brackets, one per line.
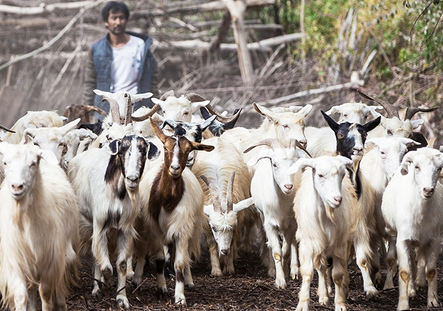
[172, 210]
[39, 230]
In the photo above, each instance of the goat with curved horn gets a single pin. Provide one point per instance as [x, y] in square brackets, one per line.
[229, 200]
[410, 112]
[221, 118]
[146, 116]
[214, 194]
[389, 111]
[113, 106]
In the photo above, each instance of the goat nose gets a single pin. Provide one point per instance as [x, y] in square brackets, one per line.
[428, 192]
[289, 186]
[17, 188]
[338, 199]
[224, 252]
[132, 178]
[175, 167]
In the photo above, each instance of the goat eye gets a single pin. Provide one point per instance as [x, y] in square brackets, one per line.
[37, 144]
[321, 176]
[389, 132]
[340, 135]
[4, 163]
[345, 115]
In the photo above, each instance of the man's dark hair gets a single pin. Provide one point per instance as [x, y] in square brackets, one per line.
[114, 7]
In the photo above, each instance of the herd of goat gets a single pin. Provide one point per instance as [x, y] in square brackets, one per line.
[163, 182]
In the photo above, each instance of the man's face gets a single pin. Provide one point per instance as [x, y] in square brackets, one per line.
[116, 22]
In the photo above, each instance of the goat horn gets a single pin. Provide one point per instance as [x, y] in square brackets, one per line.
[167, 94]
[214, 194]
[224, 119]
[410, 112]
[229, 192]
[96, 109]
[297, 143]
[6, 129]
[146, 116]
[273, 143]
[129, 109]
[194, 98]
[388, 107]
[115, 114]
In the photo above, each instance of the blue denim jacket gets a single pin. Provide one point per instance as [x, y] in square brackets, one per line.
[100, 76]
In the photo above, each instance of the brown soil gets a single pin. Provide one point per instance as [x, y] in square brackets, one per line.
[249, 289]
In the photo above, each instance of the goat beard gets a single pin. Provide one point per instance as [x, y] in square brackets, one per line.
[330, 213]
[133, 196]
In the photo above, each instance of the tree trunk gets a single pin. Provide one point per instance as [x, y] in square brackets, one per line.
[237, 9]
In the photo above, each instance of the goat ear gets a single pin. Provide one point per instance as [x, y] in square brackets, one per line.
[404, 166]
[300, 164]
[346, 161]
[157, 131]
[138, 97]
[202, 147]
[28, 135]
[372, 124]
[197, 105]
[207, 122]
[416, 123]
[153, 152]
[333, 110]
[114, 147]
[49, 156]
[207, 209]
[262, 154]
[306, 110]
[67, 127]
[332, 124]
[244, 204]
[371, 143]
[265, 112]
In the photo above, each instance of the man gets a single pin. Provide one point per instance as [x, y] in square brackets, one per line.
[121, 61]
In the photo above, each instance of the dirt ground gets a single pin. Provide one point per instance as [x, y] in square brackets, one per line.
[249, 289]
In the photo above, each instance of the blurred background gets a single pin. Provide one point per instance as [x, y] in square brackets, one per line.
[307, 51]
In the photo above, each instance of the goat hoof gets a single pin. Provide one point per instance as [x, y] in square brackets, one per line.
[190, 285]
[161, 292]
[97, 293]
[122, 302]
[107, 273]
[372, 293]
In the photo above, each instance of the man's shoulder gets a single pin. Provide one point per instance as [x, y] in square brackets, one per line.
[142, 36]
[99, 43]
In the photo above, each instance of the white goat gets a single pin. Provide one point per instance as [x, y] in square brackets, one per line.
[273, 190]
[224, 201]
[355, 112]
[33, 119]
[325, 208]
[77, 141]
[412, 207]
[50, 138]
[106, 181]
[125, 103]
[39, 231]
